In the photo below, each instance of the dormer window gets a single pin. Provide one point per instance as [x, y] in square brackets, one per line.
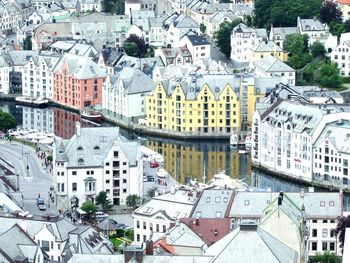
[81, 161]
[80, 148]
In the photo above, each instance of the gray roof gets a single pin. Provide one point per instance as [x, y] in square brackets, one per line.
[282, 32]
[311, 25]
[273, 64]
[21, 57]
[249, 244]
[196, 40]
[93, 145]
[182, 235]
[252, 204]
[266, 46]
[184, 21]
[247, 31]
[213, 203]
[241, 9]
[222, 13]
[337, 133]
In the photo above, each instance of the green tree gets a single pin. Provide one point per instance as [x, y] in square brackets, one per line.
[27, 43]
[136, 46]
[133, 201]
[202, 28]
[103, 201]
[130, 48]
[326, 257]
[296, 45]
[222, 36]
[114, 6]
[339, 231]
[336, 28]
[89, 208]
[347, 26]
[7, 121]
[330, 13]
[317, 49]
[328, 75]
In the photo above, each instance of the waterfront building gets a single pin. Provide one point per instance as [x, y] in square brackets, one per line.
[321, 209]
[56, 236]
[95, 160]
[205, 104]
[153, 219]
[77, 82]
[284, 134]
[37, 77]
[243, 38]
[123, 94]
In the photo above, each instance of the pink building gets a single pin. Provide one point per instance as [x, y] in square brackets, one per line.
[77, 82]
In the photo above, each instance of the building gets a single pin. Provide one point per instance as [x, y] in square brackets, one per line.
[220, 16]
[154, 218]
[131, 5]
[174, 56]
[90, 6]
[38, 119]
[322, 210]
[285, 133]
[279, 34]
[157, 34]
[271, 66]
[267, 48]
[344, 6]
[340, 55]
[123, 94]
[57, 237]
[77, 82]
[197, 45]
[243, 38]
[37, 77]
[313, 28]
[95, 160]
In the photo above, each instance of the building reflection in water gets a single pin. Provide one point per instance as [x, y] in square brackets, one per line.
[201, 160]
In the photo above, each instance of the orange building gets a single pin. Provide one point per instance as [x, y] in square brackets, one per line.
[77, 82]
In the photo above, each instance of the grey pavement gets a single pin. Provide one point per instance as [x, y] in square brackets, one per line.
[32, 181]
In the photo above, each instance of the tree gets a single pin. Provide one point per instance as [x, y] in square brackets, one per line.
[89, 208]
[202, 28]
[326, 257]
[284, 12]
[330, 13]
[317, 49]
[135, 46]
[151, 191]
[328, 75]
[103, 201]
[133, 201]
[339, 231]
[7, 121]
[222, 36]
[296, 45]
[27, 43]
[336, 28]
[114, 6]
[347, 26]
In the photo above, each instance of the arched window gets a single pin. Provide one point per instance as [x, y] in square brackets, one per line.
[81, 162]
[96, 148]
[80, 148]
[288, 127]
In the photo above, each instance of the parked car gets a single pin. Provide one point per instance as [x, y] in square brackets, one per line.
[150, 178]
[100, 215]
[154, 164]
[40, 203]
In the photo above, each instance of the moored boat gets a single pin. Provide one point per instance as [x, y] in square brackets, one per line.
[234, 140]
[39, 102]
[91, 115]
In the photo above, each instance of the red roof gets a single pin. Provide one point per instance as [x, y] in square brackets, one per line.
[343, 2]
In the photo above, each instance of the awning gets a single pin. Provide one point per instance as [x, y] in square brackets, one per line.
[81, 211]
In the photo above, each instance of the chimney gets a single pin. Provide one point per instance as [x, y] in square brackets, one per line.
[149, 247]
[197, 222]
[77, 129]
[280, 198]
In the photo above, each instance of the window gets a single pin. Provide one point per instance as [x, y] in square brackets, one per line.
[137, 224]
[208, 199]
[51, 244]
[74, 172]
[246, 202]
[314, 246]
[74, 187]
[217, 199]
[314, 221]
[138, 237]
[324, 246]
[45, 245]
[59, 246]
[218, 214]
[157, 228]
[322, 204]
[198, 214]
[325, 221]
[332, 246]
[164, 228]
[144, 225]
[314, 232]
[324, 232]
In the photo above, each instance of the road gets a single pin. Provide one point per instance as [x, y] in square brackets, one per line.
[32, 182]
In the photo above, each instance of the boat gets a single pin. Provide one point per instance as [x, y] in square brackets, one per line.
[248, 141]
[39, 102]
[91, 115]
[234, 140]
[243, 151]
[162, 173]
[222, 180]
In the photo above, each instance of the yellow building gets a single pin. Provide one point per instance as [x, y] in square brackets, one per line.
[344, 7]
[268, 48]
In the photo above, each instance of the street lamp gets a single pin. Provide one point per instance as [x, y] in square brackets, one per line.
[27, 153]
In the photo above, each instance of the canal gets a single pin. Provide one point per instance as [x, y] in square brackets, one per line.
[184, 160]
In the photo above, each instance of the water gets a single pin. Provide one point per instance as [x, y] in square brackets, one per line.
[185, 160]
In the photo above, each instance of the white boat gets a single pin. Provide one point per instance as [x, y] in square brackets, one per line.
[243, 151]
[248, 141]
[162, 173]
[37, 102]
[225, 181]
[234, 140]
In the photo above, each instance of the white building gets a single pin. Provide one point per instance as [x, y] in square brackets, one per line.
[220, 16]
[271, 66]
[95, 160]
[131, 5]
[157, 33]
[243, 38]
[38, 119]
[313, 28]
[123, 94]
[37, 77]
[341, 56]
[279, 34]
[198, 46]
[90, 5]
[285, 133]
[153, 219]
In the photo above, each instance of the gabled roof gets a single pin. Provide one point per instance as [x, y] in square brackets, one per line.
[273, 64]
[266, 46]
[196, 40]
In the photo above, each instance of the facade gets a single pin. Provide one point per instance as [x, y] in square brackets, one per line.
[174, 56]
[82, 169]
[132, 5]
[77, 82]
[243, 38]
[90, 5]
[38, 119]
[340, 55]
[124, 94]
[271, 66]
[285, 132]
[344, 6]
[313, 28]
[278, 34]
[37, 77]
[153, 219]
[267, 48]
[220, 16]
[198, 46]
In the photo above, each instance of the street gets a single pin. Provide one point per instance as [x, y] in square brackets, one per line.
[33, 182]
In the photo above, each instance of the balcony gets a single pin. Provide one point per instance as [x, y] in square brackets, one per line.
[90, 192]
